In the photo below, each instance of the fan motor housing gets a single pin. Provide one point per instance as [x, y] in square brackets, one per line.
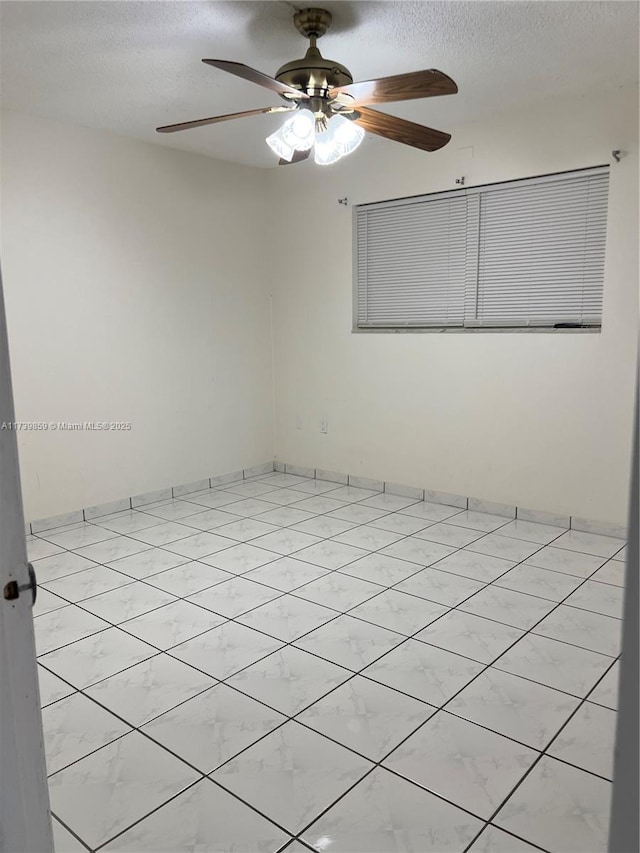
[313, 74]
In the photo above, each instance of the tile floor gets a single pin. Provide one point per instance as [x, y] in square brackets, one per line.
[289, 664]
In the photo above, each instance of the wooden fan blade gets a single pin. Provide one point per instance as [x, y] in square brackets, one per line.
[201, 122]
[401, 87]
[401, 130]
[298, 156]
[254, 76]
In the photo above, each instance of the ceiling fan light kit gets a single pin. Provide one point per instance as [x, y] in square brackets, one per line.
[330, 113]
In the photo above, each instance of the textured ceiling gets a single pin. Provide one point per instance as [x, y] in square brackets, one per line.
[130, 66]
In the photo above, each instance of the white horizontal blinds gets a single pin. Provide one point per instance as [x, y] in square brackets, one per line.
[411, 259]
[541, 250]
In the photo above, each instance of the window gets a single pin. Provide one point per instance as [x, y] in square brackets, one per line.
[526, 253]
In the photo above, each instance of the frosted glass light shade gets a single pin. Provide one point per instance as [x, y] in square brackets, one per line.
[326, 150]
[300, 130]
[346, 134]
[277, 143]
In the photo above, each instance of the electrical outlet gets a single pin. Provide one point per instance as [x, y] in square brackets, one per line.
[298, 422]
[324, 427]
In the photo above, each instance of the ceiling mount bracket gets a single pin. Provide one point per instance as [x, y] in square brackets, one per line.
[312, 23]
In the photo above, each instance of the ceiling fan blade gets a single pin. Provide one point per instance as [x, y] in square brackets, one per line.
[257, 77]
[401, 130]
[201, 122]
[401, 87]
[298, 156]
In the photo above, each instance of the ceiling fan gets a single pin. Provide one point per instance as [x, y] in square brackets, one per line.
[329, 112]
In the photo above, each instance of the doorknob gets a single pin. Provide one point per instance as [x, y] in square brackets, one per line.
[12, 590]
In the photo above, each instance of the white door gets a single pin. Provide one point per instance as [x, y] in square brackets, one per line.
[25, 823]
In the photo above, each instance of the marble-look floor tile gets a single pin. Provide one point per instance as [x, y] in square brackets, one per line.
[606, 691]
[289, 680]
[216, 498]
[504, 547]
[389, 502]
[479, 567]
[79, 537]
[555, 664]
[494, 840]
[366, 716]
[605, 599]
[163, 533]
[431, 511]
[200, 545]
[287, 617]
[323, 526]
[418, 551]
[96, 657]
[589, 543]
[441, 587]
[292, 775]
[65, 563]
[87, 583]
[173, 624]
[147, 563]
[174, 510]
[104, 793]
[212, 519]
[469, 766]
[203, 818]
[240, 558]
[531, 531]
[368, 537]
[352, 494]
[510, 608]
[559, 808]
[381, 569]
[543, 583]
[113, 549]
[318, 505]
[128, 521]
[286, 574]
[52, 688]
[250, 507]
[612, 572]
[621, 554]
[286, 516]
[422, 671]
[150, 688]
[331, 554]
[284, 497]
[588, 740]
[38, 549]
[483, 521]
[357, 513]
[63, 840]
[251, 489]
[188, 578]
[449, 534]
[315, 487]
[285, 541]
[245, 529]
[225, 649]
[46, 602]
[472, 636]
[234, 597]
[398, 611]
[338, 591]
[386, 814]
[75, 727]
[63, 626]
[516, 707]
[569, 562]
[213, 727]
[126, 602]
[582, 628]
[349, 642]
[397, 522]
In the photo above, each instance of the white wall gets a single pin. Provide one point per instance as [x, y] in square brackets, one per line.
[539, 420]
[135, 291]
